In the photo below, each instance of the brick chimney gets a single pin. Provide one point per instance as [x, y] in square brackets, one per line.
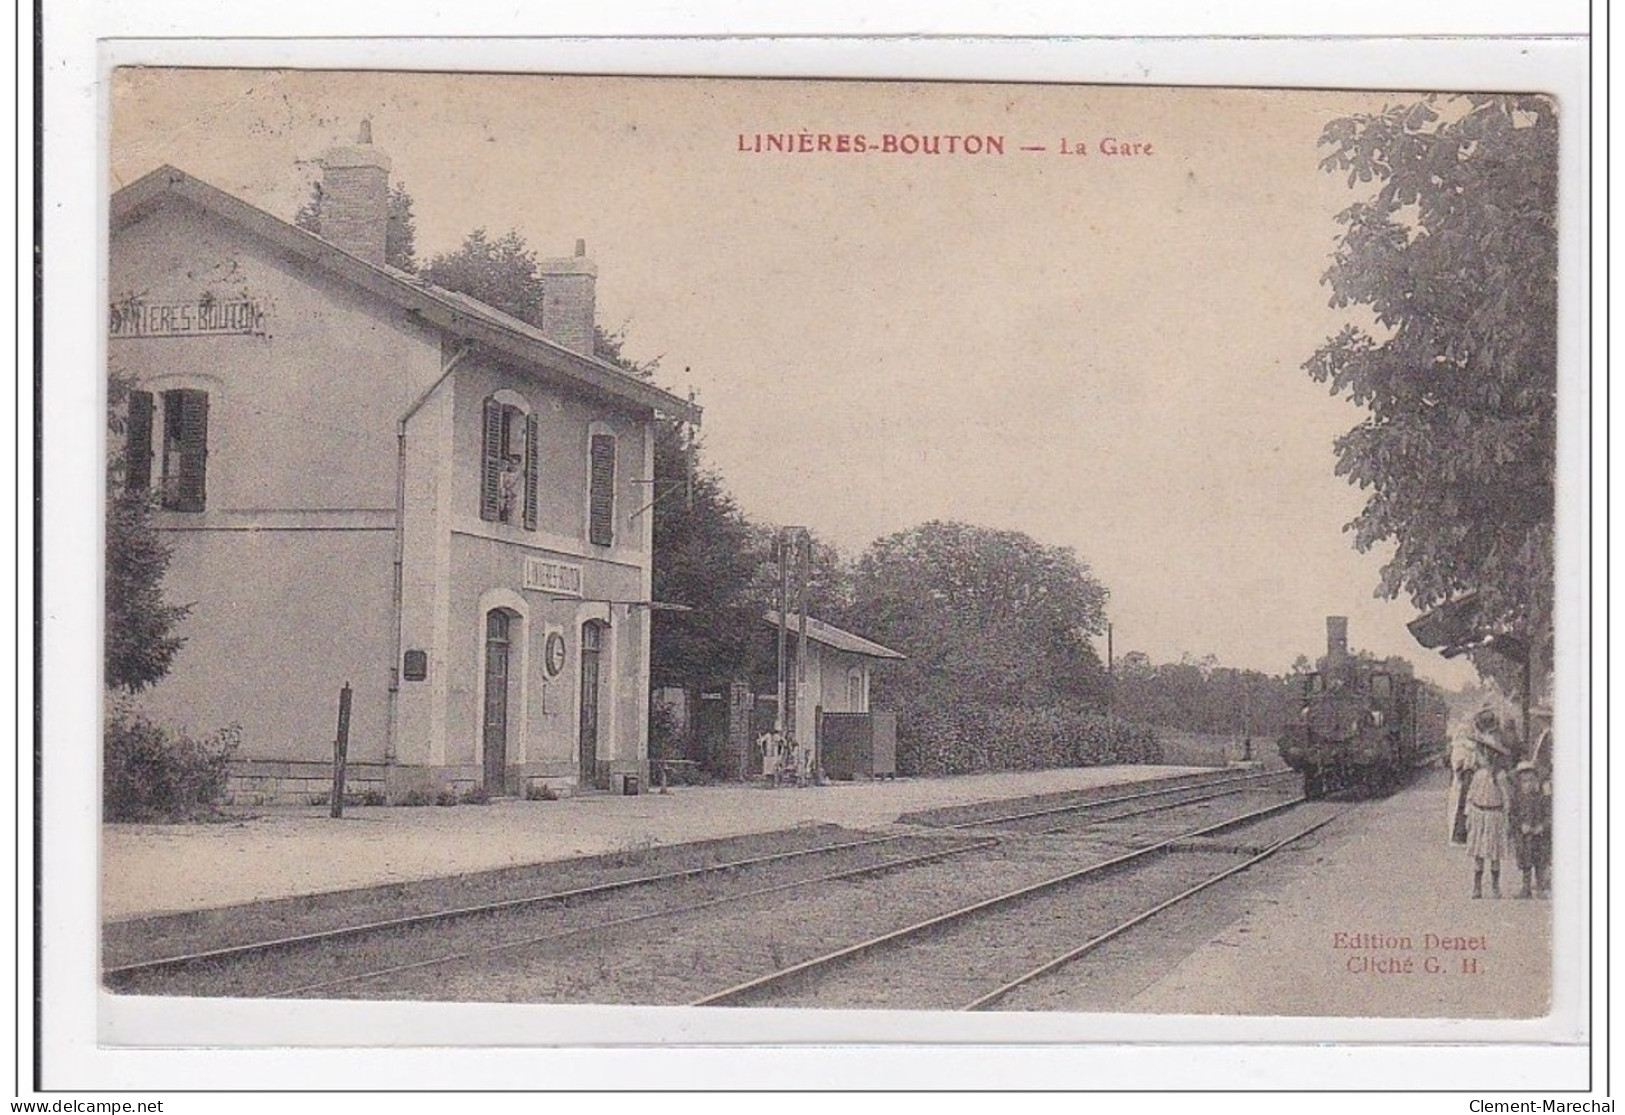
[355, 198]
[569, 300]
[1337, 641]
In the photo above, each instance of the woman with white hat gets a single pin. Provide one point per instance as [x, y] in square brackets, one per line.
[1489, 797]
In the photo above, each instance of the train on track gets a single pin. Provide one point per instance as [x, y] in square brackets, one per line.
[1358, 725]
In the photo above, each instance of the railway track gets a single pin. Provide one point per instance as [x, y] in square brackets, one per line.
[397, 956]
[975, 956]
[1042, 821]
[136, 975]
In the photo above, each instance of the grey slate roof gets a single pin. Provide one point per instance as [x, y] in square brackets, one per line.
[831, 636]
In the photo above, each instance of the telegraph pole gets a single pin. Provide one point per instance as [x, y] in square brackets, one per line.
[784, 607]
[1111, 673]
[804, 539]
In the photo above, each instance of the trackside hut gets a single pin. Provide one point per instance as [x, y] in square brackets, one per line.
[370, 480]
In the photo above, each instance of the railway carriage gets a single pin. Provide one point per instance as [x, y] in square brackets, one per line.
[1357, 725]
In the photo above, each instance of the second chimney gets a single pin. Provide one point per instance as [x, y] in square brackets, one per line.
[569, 300]
[355, 198]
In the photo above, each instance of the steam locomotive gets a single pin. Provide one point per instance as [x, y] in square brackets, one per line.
[1357, 725]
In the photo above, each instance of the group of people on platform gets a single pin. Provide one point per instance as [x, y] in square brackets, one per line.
[1501, 804]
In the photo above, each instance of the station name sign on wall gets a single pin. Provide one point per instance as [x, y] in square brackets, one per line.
[203, 318]
[558, 577]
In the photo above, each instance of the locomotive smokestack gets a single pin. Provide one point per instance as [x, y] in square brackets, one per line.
[1337, 641]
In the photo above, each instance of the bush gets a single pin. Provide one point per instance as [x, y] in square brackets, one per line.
[948, 737]
[475, 795]
[150, 773]
[540, 791]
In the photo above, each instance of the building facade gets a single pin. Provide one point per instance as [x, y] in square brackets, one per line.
[367, 480]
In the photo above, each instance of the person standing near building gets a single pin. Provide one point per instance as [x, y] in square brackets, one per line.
[1489, 797]
[1462, 760]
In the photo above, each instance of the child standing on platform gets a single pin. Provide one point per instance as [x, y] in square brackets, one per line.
[1489, 799]
[1532, 830]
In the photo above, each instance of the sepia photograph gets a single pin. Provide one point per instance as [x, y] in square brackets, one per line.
[904, 546]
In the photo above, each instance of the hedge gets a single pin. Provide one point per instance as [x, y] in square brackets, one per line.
[150, 773]
[954, 738]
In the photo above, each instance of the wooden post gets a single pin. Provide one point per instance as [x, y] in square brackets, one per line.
[341, 749]
[1111, 675]
[779, 724]
[805, 570]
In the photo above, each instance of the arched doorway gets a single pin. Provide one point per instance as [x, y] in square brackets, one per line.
[499, 627]
[592, 646]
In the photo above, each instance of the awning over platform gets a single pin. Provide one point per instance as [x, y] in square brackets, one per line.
[1456, 627]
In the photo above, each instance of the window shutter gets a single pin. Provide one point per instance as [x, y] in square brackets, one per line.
[138, 443]
[192, 439]
[532, 468]
[601, 516]
[491, 462]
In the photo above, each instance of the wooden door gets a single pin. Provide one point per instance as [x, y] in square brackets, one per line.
[497, 626]
[592, 639]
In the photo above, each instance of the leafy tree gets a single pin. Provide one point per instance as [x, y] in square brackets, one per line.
[1452, 256]
[829, 577]
[1199, 695]
[400, 228]
[706, 556]
[141, 642]
[500, 272]
[986, 616]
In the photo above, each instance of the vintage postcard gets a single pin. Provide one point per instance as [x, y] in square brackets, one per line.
[1062, 557]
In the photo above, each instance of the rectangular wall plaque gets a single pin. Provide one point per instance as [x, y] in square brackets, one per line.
[558, 577]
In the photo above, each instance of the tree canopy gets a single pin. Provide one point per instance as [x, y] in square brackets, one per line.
[985, 616]
[501, 272]
[400, 229]
[1198, 695]
[1452, 258]
[140, 640]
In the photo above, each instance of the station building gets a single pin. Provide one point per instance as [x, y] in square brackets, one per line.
[367, 480]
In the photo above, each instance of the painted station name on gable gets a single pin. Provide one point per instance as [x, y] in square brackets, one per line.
[557, 577]
[202, 318]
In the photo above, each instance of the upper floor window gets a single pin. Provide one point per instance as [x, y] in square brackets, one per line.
[183, 441]
[601, 491]
[509, 464]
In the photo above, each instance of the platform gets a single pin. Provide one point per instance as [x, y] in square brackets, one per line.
[284, 851]
[1378, 920]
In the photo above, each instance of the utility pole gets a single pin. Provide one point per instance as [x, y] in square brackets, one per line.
[784, 607]
[1111, 673]
[804, 538]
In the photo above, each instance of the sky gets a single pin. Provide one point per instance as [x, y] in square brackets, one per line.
[1101, 350]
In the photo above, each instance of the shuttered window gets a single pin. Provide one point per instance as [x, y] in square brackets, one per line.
[138, 443]
[186, 449]
[601, 503]
[532, 468]
[508, 464]
[491, 462]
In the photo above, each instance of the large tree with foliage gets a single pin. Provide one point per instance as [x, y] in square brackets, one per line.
[500, 271]
[1199, 695]
[1451, 257]
[400, 228]
[140, 638]
[987, 617]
